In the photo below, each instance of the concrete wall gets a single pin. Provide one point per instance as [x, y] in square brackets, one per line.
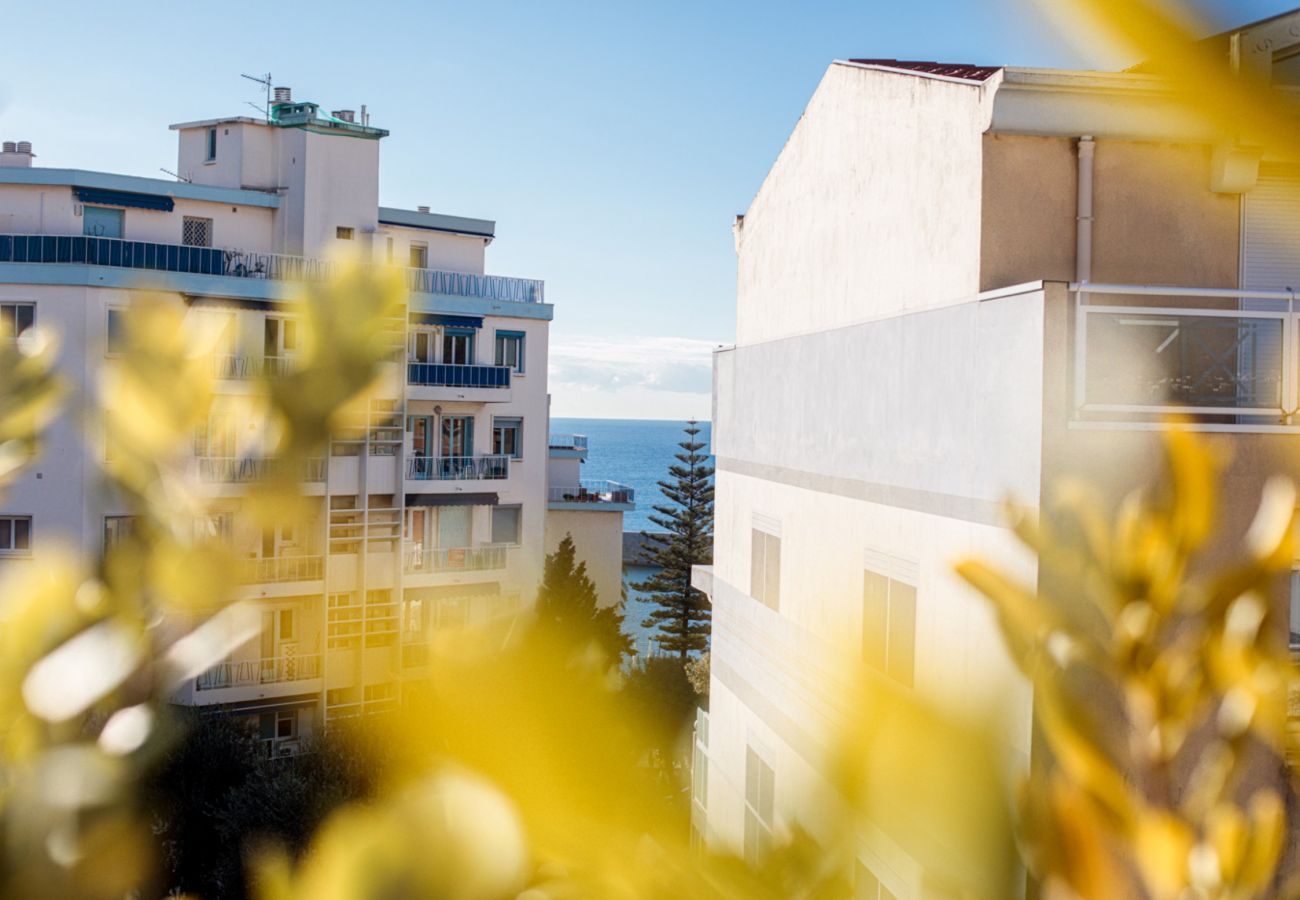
[36, 209]
[448, 252]
[872, 207]
[1155, 219]
[598, 541]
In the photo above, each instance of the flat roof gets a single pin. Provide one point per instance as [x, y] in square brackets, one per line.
[225, 120]
[410, 218]
[137, 184]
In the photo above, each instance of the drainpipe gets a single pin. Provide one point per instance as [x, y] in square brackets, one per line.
[1083, 228]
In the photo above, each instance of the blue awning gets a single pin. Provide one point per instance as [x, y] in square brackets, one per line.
[124, 198]
[420, 318]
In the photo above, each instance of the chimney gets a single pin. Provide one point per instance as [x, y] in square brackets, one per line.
[283, 94]
[17, 155]
[347, 115]
[423, 209]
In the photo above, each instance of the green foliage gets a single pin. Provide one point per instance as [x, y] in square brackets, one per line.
[684, 614]
[567, 606]
[217, 797]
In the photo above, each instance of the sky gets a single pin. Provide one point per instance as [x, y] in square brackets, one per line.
[612, 142]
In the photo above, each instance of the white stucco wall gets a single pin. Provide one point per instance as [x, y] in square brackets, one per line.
[872, 206]
[598, 541]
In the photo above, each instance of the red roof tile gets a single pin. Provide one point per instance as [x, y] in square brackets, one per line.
[964, 71]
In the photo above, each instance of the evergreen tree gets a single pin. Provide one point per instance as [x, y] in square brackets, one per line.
[683, 617]
[567, 605]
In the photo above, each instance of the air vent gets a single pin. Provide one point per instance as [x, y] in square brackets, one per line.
[283, 95]
[347, 115]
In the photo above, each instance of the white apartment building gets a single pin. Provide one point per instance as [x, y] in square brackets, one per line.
[958, 284]
[431, 510]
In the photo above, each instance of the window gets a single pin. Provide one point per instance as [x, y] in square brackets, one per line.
[116, 331]
[390, 250]
[118, 529]
[100, 221]
[458, 347]
[760, 795]
[1293, 639]
[286, 725]
[196, 232]
[419, 255]
[210, 145]
[889, 626]
[866, 886]
[505, 524]
[510, 349]
[508, 437]
[344, 233]
[765, 569]
[15, 318]
[15, 535]
[420, 344]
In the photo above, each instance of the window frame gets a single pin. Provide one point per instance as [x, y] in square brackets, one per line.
[210, 145]
[121, 221]
[14, 306]
[12, 549]
[345, 232]
[420, 248]
[889, 625]
[767, 588]
[760, 809]
[499, 342]
[205, 221]
[502, 424]
[110, 313]
[518, 510]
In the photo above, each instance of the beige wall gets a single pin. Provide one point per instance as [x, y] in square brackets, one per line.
[1155, 219]
[598, 540]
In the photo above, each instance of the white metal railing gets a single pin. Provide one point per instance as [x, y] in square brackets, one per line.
[1201, 351]
[487, 557]
[592, 492]
[119, 253]
[279, 569]
[457, 468]
[567, 442]
[244, 672]
[231, 469]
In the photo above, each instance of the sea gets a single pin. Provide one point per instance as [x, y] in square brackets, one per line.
[635, 452]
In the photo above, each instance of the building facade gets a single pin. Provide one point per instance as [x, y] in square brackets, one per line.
[959, 284]
[429, 510]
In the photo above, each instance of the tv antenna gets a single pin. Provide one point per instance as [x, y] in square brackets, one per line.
[175, 175]
[265, 82]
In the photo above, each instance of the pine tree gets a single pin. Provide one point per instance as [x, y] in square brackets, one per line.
[683, 617]
[569, 609]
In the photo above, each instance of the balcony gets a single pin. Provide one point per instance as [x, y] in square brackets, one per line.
[281, 569]
[450, 381]
[123, 254]
[243, 469]
[253, 672]
[417, 559]
[605, 496]
[567, 446]
[1143, 352]
[457, 468]
[232, 367]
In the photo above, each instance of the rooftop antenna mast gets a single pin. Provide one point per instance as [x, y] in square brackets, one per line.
[265, 82]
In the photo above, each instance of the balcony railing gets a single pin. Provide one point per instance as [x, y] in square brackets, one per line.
[280, 569]
[459, 376]
[248, 672]
[592, 492]
[233, 367]
[416, 558]
[567, 442]
[457, 468]
[1143, 349]
[241, 469]
[118, 253]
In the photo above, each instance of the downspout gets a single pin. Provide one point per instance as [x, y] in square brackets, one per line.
[1082, 266]
[1083, 228]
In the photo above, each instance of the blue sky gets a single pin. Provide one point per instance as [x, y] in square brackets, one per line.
[613, 142]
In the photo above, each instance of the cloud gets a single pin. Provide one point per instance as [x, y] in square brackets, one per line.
[675, 365]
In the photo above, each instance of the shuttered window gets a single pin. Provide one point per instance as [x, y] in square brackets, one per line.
[1271, 231]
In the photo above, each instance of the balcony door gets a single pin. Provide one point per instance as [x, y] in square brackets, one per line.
[422, 436]
[420, 348]
[281, 339]
[457, 436]
[279, 644]
[458, 346]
